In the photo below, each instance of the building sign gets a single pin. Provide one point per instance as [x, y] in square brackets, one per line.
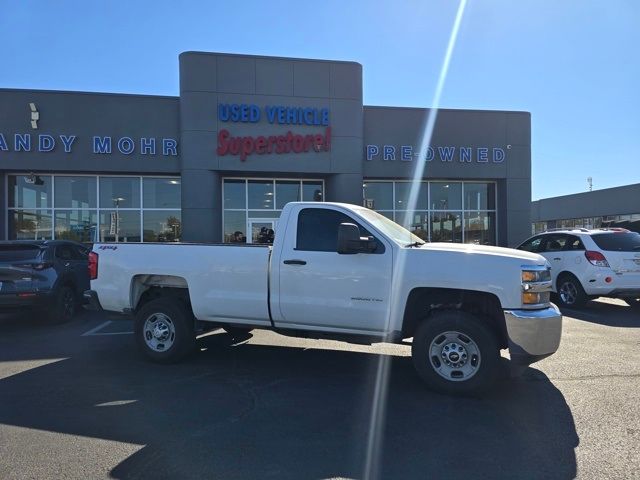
[289, 142]
[407, 153]
[44, 143]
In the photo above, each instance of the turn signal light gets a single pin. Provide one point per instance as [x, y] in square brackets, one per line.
[596, 258]
[530, 298]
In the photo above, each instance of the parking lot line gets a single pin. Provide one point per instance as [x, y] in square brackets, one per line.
[96, 329]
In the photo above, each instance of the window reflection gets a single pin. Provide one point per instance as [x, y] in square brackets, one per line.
[30, 191]
[161, 226]
[161, 192]
[287, 191]
[446, 196]
[235, 194]
[30, 225]
[120, 226]
[75, 192]
[77, 225]
[449, 202]
[260, 194]
[446, 227]
[235, 227]
[121, 192]
[479, 196]
[259, 202]
[479, 228]
[378, 195]
[312, 192]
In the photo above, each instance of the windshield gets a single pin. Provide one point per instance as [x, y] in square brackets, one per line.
[390, 228]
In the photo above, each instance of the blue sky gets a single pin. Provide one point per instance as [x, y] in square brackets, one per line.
[573, 64]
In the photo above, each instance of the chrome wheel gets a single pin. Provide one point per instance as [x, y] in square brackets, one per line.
[568, 293]
[159, 332]
[454, 356]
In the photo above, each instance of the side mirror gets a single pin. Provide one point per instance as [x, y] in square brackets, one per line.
[350, 241]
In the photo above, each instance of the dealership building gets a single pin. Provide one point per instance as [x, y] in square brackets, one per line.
[245, 136]
[610, 207]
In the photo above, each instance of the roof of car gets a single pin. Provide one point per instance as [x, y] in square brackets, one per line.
[587, 231]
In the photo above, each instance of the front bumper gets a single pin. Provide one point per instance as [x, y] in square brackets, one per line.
[533, 334]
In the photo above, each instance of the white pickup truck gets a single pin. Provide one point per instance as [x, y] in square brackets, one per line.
[342, 272]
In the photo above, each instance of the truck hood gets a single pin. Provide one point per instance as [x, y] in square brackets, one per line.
[473, 249]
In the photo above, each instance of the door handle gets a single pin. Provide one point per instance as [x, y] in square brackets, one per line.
[294, 262]
[67, 264]
[557, 258]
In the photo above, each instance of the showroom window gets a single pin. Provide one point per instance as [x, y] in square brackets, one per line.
[90, 208]
[252, 206]
[444, 211]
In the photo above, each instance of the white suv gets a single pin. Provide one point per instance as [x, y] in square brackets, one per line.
[591, 263]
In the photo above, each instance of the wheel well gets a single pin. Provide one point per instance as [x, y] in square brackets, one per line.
[565, 273]
[145, 288]
[67, 281]
[422, 302]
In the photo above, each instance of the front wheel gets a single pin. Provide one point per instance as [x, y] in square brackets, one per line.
[453, 352]
[164, 330]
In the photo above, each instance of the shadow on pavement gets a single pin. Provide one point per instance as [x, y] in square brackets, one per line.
[607, 314]
[256, 411]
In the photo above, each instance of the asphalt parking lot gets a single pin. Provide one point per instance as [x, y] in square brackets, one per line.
[77, 401]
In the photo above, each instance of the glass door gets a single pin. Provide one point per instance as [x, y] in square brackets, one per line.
[261, 231]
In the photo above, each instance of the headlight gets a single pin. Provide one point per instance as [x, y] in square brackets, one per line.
[536, 285]
[534, 276]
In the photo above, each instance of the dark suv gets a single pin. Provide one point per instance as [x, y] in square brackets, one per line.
[50, 275]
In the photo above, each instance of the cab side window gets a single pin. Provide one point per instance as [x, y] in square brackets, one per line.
[318, 230]
[554, 243]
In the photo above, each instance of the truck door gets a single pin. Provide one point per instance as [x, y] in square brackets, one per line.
[319, 288]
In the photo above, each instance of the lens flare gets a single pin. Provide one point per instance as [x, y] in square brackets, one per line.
[378, 407]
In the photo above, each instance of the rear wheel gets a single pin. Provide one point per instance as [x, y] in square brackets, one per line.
[633, 302]
[164, 330]
[570, 292]
[65, 305]
[453, 352]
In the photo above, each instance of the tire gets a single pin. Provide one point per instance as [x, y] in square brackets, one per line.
[237, 332]
[570, 292]
[445, 334]
[164, 330]
[65, 305]
[633, 302]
